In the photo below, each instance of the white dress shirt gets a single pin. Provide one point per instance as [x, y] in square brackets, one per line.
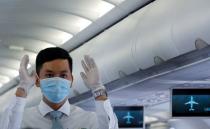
[44, 109]
[73, 116]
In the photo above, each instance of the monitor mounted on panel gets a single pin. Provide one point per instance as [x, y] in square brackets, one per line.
[130, 117]
[190, 102]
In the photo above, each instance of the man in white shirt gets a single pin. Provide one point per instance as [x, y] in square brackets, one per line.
[54, 77]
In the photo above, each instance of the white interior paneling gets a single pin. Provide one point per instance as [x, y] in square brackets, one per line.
[9, 72]
[28, 44]
[10, 63]
[53, 36]
[16, 54]
[190, 22]
[153, 34]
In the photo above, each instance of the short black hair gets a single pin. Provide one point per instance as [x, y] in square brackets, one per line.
[50, 54]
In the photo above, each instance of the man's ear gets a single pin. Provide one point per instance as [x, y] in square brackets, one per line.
[72, 80]
[37, 81]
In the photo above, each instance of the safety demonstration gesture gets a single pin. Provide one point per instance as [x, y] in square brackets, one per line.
[26, 81]
[91, 76]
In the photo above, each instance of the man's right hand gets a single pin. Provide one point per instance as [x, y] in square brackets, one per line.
[26, 81]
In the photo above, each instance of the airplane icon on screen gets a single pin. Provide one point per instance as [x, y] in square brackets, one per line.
[191, 103]
[128, 118]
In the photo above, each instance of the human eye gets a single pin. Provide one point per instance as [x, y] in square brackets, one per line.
[49, 75]
[63, 75]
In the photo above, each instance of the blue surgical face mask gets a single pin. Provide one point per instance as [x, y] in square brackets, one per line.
[55, 89]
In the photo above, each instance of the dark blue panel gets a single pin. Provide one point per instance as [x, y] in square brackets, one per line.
[130, 117]
[191, 102]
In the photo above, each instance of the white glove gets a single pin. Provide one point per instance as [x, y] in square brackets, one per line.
[91, 76]
[26, 81]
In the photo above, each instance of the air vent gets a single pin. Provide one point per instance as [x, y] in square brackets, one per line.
[14, 47]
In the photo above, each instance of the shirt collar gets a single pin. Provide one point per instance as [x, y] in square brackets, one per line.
[45, 109]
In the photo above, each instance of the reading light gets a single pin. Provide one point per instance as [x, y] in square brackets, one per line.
[14, 47]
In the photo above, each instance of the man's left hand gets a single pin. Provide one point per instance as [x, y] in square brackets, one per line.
[91, 75]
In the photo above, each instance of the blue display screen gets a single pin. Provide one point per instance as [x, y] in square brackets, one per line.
[191, 102]
[130, 117]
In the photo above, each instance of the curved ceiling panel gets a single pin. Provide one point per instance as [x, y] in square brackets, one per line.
[51, 18]
[10, 63]
[33, 45]
[11, 73]
[16, 54]
[46, 34]
[48, 13]
[115, 2]
[90, 9]
[4, 79]
[28, 26]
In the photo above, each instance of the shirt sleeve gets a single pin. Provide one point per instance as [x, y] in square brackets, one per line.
[106, 117]
[12, 114]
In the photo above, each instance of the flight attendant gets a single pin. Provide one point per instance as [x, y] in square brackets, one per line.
[54, 78]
